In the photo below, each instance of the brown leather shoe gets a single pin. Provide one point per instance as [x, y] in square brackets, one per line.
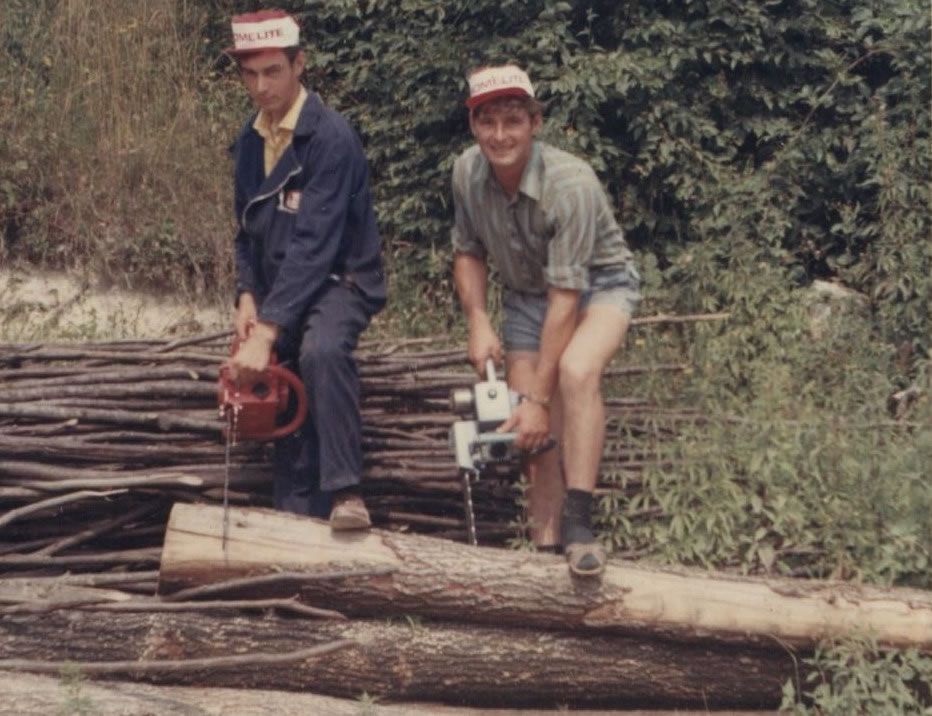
[585, 559]
[349, 513]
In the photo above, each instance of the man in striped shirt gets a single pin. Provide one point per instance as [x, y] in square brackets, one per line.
[542, 218]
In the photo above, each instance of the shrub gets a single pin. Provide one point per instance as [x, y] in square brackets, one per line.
[812, 119]
[855, 677]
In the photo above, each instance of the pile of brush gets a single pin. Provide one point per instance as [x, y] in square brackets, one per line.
[98, 440]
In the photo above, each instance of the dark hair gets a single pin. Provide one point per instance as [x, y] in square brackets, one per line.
[532, 106]
[290, 52]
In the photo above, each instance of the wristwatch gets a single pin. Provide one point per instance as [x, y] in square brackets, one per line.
[522, 397]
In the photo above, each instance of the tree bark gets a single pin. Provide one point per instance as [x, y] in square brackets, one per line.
[34, 695]
[443, 580]
[411, 660]
[160, 421]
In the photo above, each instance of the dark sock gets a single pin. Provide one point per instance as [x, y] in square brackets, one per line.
[347, 491]
[549, 548]
[576, 525]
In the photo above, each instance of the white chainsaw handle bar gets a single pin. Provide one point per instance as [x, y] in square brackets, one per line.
[490, 370]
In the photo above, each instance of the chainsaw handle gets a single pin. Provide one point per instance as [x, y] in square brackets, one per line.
[294, 382]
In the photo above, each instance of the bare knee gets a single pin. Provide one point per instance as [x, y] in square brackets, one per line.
[578, 376]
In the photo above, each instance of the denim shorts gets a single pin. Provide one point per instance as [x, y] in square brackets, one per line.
[524, 312]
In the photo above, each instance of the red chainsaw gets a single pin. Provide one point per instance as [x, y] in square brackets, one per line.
[254, 408]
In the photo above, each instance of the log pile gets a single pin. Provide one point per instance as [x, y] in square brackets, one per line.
[107, 435]
[37, 695]
[281, 602]
[106, 446]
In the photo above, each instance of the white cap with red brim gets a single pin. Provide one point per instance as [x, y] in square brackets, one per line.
[491, 82]
[264, 30]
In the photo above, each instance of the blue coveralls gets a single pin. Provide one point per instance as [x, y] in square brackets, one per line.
[309, 250]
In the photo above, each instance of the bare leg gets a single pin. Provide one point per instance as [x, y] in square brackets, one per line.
[599, 333]
[601, 330]
[545, 496]
[577, 416]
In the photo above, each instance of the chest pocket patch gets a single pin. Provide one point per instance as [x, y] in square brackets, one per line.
[289, 200]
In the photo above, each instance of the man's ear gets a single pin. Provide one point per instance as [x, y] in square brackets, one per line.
[299, 61]
[537, 121]
[472, 122]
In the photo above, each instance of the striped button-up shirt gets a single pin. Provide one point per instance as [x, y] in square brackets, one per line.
[557, 227]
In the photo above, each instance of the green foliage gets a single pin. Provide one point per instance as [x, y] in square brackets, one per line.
[804, 498]
[792, 126]
[423, 298]
[855, 677]
[795, 124]
[521, 525]
[793, 463]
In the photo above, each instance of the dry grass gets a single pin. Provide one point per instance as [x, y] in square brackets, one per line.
[118, 129]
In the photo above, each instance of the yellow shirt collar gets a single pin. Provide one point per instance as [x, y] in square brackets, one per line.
[263, 123]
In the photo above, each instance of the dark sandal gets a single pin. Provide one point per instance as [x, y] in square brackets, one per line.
[585, 559]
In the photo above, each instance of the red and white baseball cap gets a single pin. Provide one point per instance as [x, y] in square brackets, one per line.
[491, 82]
[263, 30]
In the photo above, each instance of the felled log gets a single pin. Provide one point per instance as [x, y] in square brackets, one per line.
[395, 660]
[441, 580]
[36, 695]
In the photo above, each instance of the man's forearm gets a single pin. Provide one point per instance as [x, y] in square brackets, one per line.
[559, 324]
[470, 275]
[247, 324]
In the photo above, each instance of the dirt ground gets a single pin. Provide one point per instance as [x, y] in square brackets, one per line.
[57, 304]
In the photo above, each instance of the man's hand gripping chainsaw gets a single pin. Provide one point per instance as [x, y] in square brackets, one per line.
[252, 410]
[475, 443]
[255, 406]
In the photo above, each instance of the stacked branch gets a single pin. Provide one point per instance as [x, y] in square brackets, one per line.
[104, 436]
[105, 447]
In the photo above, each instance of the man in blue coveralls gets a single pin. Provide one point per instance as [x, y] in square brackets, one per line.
[309, 273]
